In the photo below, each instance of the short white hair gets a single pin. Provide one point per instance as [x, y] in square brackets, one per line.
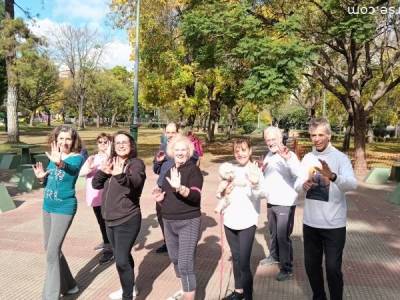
[316, 122]
[274, 131]
[180, 139]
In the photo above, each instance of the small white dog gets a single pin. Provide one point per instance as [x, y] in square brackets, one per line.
[227, 174]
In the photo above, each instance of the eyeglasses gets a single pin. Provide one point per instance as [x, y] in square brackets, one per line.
[102, 142]
[122, 143]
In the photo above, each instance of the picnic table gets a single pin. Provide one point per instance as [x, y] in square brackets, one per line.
[25, 152]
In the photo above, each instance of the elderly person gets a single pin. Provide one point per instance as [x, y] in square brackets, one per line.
[281, 167]
[179, 198]
[161, 164]
[59, 207]
[326, 175]
[122, 177]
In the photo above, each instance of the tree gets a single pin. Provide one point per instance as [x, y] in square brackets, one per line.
[109, 94]
[228, 38]
[15, 38]
[9, 53]
[79, 50]
[358, 55]
[3, 71]
[37, 82]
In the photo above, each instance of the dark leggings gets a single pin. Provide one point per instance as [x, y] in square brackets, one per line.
[122, 238]
[241, 244]
[102, 224]
[160, 219]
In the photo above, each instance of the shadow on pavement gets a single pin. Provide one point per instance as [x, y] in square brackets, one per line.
[87, 274]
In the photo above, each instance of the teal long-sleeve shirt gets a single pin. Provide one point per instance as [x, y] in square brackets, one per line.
[59, 193]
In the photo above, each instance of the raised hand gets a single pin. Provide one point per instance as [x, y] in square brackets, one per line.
[175, 179]
[308, 184]
[325, 170]
[108, 150]
[284, 152]
[107, 166]
[254, 173]
[39, 171]
[90, 162]
[55, 154]
[117, 165]
[158, 194]
[160, 156]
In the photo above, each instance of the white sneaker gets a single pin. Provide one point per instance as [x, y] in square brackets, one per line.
[117, 295]
[178, 295]
[73, 291]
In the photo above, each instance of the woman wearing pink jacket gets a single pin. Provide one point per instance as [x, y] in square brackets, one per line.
[93, 197]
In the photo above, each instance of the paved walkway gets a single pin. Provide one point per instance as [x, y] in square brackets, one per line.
[371, 259]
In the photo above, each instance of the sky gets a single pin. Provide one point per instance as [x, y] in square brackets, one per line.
[93, 13]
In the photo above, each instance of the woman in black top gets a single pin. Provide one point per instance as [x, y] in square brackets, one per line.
[180, 196]
[122, 178]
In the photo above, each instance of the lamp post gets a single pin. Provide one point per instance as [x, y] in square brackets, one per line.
[135, 114]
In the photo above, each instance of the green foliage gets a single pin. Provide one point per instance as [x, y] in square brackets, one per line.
[231, 38]
[110, 93]
[37, 80]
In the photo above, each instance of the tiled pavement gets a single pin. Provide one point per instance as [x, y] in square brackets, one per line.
[371, 260]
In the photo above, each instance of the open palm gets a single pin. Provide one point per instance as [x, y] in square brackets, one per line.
[175, 179]
[39, 171]
[55, 154]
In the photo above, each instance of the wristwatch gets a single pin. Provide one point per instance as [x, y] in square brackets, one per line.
[333, 177]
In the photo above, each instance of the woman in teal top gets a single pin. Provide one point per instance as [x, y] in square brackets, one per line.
[59, 207]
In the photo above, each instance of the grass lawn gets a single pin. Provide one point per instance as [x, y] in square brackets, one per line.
[378, 154]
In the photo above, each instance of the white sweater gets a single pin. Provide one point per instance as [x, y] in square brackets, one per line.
[279, 178]
[244, 207]
[332, 213]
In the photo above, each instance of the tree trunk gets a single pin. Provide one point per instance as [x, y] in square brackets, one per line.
[12, 101]
[347, 135]
[216, 126]
[113, 118]
[97, 121]
[81, 123]
[48, 118]
[12, 115]
[31, 117]
[360, 131]
[213, 119]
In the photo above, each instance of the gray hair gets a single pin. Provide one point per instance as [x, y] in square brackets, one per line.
[180, 139]
[316, 122]
[275, 131]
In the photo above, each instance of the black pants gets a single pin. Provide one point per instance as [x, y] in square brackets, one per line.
[241, 244]
[318, 241]
[102, 224]
[160, 219]
[280, 225]
[122, 238]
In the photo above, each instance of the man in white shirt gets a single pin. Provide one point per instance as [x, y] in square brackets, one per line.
[326, 175]
[280, 172]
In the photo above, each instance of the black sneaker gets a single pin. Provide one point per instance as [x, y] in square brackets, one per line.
[162, 249]
[234, 296]
[106, 257]
[284, 275]
[269, 260]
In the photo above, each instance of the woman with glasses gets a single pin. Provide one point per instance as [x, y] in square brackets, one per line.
[122, 177]
[93, 196]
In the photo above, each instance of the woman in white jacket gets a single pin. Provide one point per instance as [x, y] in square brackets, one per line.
[241, 217]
